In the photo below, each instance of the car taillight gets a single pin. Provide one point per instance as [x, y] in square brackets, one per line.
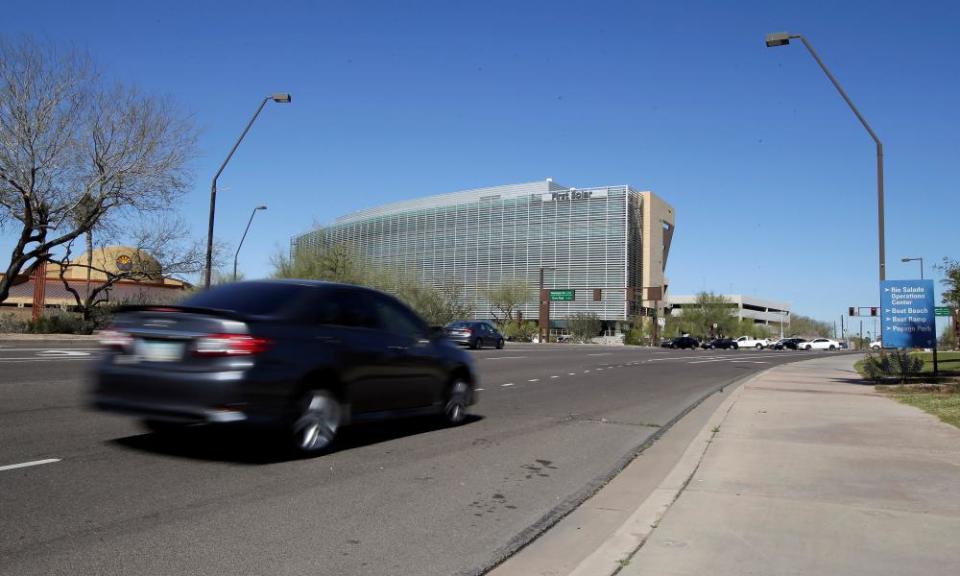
[230, 345]
[114, 339]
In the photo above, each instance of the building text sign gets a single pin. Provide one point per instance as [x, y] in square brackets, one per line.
[907, 313]
[574, 195]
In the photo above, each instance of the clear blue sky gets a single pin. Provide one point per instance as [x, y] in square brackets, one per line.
[771, 175]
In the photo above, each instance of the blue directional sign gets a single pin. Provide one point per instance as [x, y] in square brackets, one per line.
[907, 314]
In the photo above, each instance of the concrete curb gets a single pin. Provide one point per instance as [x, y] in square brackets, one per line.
[627, 540]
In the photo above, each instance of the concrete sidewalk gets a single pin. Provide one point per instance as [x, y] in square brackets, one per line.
[812, 472]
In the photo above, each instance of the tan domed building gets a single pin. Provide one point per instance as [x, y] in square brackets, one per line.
[141, 280]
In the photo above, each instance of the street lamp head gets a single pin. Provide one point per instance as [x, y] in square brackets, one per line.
[282, 98]
[261, 207]
[778, 39]
[908, 259]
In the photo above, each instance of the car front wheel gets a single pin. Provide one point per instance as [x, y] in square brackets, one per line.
[500, 344]
[316, 422]
[455, 407]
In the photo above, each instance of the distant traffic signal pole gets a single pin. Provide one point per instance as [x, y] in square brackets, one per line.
[544, 321]
[280, 98]
[782, 39]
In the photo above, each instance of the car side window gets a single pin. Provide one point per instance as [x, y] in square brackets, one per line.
[351, 308]
[398, 320]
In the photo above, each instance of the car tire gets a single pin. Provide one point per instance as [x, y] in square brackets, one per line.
[759, 346]
[500, 344]
[478, 344]
[735, 346]
[809, 347]
[674, 346]
[315, 422]
[832, 347]
[455, 403]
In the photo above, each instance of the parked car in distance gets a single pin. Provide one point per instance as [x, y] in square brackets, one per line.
[684, 342]
[876, 345]
[474, 333]
[821, 344]
[304, 357]
[751, 342]
[723, 343]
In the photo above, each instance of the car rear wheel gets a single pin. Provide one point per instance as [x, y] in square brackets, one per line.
[317, 421]
[477, 344]
[832, 347]
[455, 407]
[735, 346]
[759, 346]
[500, 344]
[809, 347]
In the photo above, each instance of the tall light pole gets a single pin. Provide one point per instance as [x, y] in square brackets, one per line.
[782, 39]
[280, 98]
[244, 237]
[544, 308]
[914, 260]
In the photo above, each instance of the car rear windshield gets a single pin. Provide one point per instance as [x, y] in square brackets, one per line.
[248, 298]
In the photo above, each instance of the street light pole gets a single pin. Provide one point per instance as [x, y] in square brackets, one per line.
[782, 39]
[281, 98]
[244, 237]
[914, 260]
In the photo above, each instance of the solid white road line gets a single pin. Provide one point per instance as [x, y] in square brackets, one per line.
[601, 354]
[503, 357]
[27, 464]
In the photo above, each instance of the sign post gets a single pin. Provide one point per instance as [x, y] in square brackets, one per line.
[908, 319]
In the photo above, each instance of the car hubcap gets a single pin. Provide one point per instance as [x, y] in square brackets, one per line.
[317, 425]
[456, 408]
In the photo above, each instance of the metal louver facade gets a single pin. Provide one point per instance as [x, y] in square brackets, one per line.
[593, 237]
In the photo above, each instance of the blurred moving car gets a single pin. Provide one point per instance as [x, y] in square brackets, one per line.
[301, 356]
[751, 342]
[474, 334]
[684, 342]
[723, 343]
[820, 344]
[787, 343]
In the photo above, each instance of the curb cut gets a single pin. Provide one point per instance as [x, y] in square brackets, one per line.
[627, 540]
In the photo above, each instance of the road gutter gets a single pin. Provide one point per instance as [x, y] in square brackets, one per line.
[567, 506]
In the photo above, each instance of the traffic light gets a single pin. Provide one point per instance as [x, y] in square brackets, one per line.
[873, 311]
[851, 311]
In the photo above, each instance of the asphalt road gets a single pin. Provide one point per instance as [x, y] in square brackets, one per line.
[553, 423]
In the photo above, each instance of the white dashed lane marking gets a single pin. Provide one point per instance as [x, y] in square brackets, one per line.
[28, 464]
[507, 384]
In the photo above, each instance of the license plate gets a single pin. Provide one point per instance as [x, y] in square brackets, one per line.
[158, 351]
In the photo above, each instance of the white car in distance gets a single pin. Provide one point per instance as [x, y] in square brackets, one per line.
[821, 344]
[750, 342]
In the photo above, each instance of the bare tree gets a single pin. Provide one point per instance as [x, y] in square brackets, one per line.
[158, 248]
[507, 299]
[77, 152]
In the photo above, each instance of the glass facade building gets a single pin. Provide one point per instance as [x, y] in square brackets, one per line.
[608, 239]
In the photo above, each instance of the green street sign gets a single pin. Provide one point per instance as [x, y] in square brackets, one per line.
[561, 295]
[942, 311]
